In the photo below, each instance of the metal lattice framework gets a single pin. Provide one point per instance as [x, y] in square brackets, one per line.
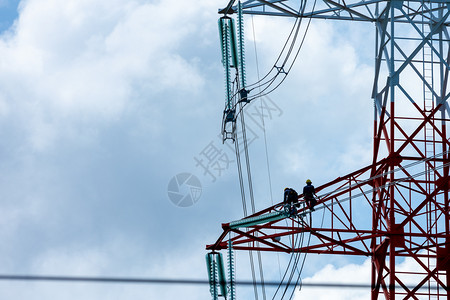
[406, 188]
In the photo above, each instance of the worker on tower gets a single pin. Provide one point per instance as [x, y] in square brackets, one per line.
[290, 200]
[309, 194]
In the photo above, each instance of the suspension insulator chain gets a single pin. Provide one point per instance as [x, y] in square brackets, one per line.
[233, 58]
[216, 274]
[241, 47]
[212, 274]
[231, 274]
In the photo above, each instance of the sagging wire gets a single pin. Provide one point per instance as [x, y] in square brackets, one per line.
[293, 266]
[258, 84]
[264, 131]
[282, 68]
[304, 256]
[252, 201]
[269, 82]
[240, 82]
[282, 282]
[295, 28]
[294, 269]
[178, 281]
[231, 103]
[244, 208]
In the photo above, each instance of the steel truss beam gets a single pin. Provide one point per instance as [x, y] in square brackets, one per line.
[405, 189]
[367, 11]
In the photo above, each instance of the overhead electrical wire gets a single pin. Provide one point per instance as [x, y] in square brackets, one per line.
[292, 257]
[263, 92]
[295, 28]
[244, 208]
[243, 197]
[294, 262]
[241, 75]
[282, 68]
[294, 269]
[241, 180]
[264, 130]
[304, 257]
[252, 202]
[309, 241]
[170, 281]
[258, 85]
[302, 265]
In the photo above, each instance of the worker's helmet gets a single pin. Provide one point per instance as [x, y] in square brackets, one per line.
[308, 181]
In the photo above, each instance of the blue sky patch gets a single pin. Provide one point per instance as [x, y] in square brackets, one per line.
[8, 13]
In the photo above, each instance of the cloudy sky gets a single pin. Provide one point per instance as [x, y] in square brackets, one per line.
[105, 104]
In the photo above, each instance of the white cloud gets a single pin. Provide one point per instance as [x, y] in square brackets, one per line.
[408, 270]
[94, 99]
[70, 63]
[350, 274]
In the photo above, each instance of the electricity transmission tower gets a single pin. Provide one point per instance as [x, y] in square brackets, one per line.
[397, 207]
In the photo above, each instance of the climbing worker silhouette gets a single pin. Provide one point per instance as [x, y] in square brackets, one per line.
[290, 200]
[309, 194]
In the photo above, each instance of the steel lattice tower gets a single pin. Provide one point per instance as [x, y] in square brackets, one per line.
[406, 188]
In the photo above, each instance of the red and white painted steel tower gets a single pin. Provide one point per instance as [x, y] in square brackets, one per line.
[405, 190]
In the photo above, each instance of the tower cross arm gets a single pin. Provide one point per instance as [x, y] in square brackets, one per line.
[322, 9]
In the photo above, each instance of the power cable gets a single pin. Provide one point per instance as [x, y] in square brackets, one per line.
[294, 268]
[244, 207]
[304, 258]
[264, 131]
[293, 265]
[243, 200]
[309, 241]
[261, 273]
[282, 68]
[258, 84]
[249, 181]
[282, 283]
[293, 35]
[173, 281]
[241, 180]
[252, 267]
[252, 199]
[294, 27]
[292, 64]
